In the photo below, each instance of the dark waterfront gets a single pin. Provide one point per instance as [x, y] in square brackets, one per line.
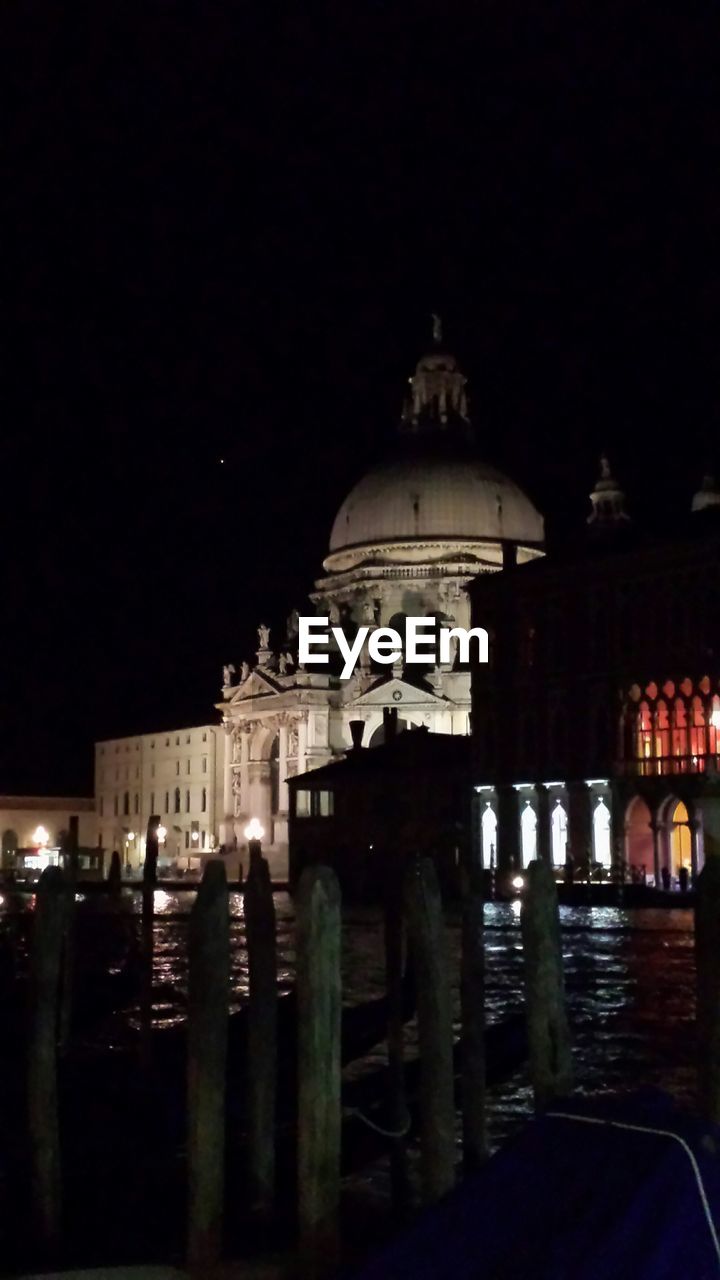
[629, 977]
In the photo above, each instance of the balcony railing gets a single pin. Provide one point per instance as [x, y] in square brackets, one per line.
[667, 766]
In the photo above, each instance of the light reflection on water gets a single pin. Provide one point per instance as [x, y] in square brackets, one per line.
[629, 980]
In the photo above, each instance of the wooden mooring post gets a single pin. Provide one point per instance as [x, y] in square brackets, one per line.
[46, 967]
[261, 1074]
[149, 883]
[72, 858]
[707, 961]
[426, 934]
[472, 1004]
[318, 937]
[394, 931]
[548, 1033]
[114, 880]
[208, 1009]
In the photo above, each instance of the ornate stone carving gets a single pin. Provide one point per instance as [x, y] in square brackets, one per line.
[228, 673]
[263, 633]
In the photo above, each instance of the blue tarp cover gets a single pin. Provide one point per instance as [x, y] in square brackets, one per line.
[577, 1196]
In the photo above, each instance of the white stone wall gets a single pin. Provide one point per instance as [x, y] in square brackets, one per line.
[139, 776]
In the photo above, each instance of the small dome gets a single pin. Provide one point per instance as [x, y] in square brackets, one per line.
[417, 498]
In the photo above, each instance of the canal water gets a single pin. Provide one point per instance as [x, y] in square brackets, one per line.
[630, 981]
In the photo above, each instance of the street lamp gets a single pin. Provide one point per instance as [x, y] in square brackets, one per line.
[254, 833]
[129, 838]
[162, 834]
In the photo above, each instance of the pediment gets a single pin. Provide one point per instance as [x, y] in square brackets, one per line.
[257, 685]
[395, 693]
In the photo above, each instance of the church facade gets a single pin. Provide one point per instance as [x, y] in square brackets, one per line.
[406, 541]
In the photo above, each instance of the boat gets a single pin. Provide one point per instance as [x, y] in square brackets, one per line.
[607, 1189]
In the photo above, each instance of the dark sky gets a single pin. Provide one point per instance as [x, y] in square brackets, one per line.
[226, 226]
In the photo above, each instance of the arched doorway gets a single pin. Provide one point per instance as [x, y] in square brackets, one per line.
[528, 834]
[488, 826]
[602, 844]
[680, 843]
[558, 834]
[638, 836]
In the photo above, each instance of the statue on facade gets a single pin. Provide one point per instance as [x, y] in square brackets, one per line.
[228, 673]
[263, 633]
[283, 664]
[292, 743]
[244, 672]
[293, 624]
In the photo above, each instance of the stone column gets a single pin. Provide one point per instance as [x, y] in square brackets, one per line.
[282, 769]
[656, 849]
[579, 821]
[708, 807]
[508, 850]
[226, 826]
[544, 843]
[302, 745]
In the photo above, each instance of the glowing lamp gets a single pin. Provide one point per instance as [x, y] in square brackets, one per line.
[162, 834]
[195, 837]
[715, 718]
[130, 836]
[254, 830]
[518, 883]
[41, 836]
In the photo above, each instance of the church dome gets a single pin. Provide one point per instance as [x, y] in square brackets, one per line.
[448, 496]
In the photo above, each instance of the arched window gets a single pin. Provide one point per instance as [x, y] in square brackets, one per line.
[177, 800]
[528, 833]
[662, 727]
[644, 745]
[697, 733]
[680, 729]
[489, 837]
[187, 801]
[714, 727]
[203, 800]
[602, 849]
[558, 834]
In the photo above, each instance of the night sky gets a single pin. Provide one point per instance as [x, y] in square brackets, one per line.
[226, 227]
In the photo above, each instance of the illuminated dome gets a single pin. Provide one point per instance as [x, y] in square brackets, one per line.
[438, 498]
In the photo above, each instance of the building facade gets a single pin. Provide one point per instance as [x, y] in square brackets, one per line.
[34, 828]
[406, 541]
[596, 722]
[174, 775]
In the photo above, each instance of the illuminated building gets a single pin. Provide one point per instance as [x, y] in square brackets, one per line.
[596, 723]
[174, 775]
[32, 829]
[405, 542]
